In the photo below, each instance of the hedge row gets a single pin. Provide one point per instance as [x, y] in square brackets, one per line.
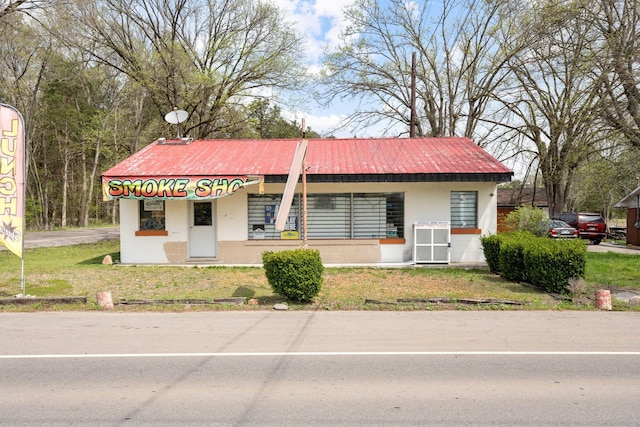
[543, 262]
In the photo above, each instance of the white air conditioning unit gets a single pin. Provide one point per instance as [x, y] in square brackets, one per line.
[432, 242]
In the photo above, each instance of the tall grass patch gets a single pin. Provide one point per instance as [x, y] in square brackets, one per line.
[613, 269]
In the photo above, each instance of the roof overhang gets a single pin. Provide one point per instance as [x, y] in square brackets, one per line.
[420, 177]
[631, 200]
[172, 170]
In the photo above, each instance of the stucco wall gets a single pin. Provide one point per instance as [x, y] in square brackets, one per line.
[423, 202]
[364, 251]
[167, 249]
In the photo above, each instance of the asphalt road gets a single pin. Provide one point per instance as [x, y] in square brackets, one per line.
[319, 368]
[37, 239]
[316, 368]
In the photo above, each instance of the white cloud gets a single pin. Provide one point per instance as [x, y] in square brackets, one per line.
[321, 22]
[330, 125]
[414, 7]
[324, 124]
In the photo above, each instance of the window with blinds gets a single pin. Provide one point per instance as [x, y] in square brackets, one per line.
[262, 216]
[464, 209]
[328, 216]
[332, 216]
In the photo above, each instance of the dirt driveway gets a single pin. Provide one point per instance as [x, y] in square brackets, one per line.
[610, 247]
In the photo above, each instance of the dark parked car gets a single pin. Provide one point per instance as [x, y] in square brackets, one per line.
[559, 229]
[591, 226]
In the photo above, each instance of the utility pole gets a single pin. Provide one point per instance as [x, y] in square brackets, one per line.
[412, 120]
[304, 191]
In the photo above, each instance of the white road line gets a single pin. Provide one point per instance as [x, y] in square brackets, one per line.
[321, 354]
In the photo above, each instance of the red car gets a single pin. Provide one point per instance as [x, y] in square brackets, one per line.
[591, 226]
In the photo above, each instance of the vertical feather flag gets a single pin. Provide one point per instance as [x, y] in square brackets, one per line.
[12, 179]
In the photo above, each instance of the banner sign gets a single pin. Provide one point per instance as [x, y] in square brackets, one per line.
[292, 180]
[173, 188]
[12, 177]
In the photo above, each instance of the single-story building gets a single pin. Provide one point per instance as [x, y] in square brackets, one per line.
[632, 202]
[509, 199]
[365, 200]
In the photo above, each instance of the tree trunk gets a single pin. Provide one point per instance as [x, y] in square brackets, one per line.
[64, 150]
[89, 193]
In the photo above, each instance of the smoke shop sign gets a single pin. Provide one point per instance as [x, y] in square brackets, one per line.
[184, 188]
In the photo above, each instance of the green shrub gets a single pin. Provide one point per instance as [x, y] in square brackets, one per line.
[546, 263]
[525, 218]
[552, 263]
[491, 248]
[511, 257]
[294, 274]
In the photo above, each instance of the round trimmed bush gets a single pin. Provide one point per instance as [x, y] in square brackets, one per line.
[294, 274]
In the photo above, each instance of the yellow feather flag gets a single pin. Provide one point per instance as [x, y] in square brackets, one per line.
[12, 179]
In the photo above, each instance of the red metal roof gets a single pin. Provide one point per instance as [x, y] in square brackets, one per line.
[324, 156]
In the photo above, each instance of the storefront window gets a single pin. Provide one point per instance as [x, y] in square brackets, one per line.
[330, 216]
[151, 214]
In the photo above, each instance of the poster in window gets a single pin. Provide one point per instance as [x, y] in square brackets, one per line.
[292, 223]
[270, 214]
[153, 205]
[289, 235]
[258, 232]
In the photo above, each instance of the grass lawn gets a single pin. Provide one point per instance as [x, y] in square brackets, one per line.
[78, 271]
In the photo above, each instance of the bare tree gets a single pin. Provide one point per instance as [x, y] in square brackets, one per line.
[10, 7]
[615, 28]
[460, 64]
[554, 101]
[89, 97]
[203, 56]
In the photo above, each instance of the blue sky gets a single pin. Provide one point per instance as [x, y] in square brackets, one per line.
[321, 21]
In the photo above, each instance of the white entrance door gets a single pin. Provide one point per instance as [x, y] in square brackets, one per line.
[202, 230]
